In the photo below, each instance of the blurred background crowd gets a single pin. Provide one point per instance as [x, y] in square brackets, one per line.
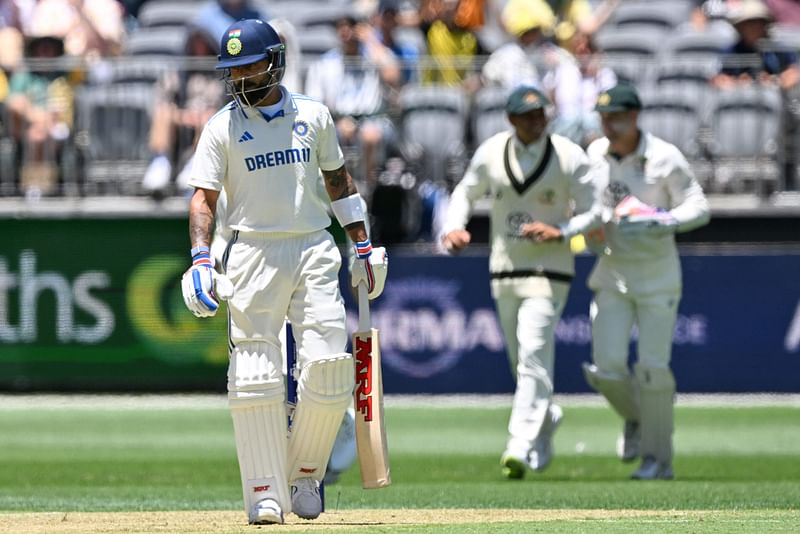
[107, 97]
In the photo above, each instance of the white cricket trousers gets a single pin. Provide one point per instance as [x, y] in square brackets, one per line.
[287, 275]
[613, 314]
[528, 324]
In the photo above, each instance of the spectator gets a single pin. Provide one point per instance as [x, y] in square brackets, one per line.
[452, 49]
[746, 61]
[216, 15]
[89, 29]
[785, 12]
[185, 100]
[352, 80]
[40, 109]
[386, 22]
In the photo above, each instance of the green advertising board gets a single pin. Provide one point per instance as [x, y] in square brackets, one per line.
[95, 305]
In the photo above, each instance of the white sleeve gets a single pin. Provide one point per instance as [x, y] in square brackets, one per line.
[329, 153]
[472, 186]
[690, 207]
[210, 163]
[585, 194]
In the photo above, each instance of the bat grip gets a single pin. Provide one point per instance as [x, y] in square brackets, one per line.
[364, 323]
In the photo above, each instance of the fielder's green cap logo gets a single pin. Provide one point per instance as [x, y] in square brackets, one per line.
[622, 97]
[604, 99]
[234, 45]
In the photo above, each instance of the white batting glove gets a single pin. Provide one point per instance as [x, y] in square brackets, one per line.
[369, 266]
[203, 287]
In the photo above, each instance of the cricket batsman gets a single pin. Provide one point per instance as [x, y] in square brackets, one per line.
[270, 149]
[650, 193]
[542, 193]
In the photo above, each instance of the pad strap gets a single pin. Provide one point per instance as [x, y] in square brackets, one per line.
[348, 210]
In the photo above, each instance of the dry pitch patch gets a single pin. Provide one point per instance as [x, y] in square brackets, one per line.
[228, 522]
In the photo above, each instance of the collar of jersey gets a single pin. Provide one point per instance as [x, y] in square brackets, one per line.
[641, 149]
[289, 107]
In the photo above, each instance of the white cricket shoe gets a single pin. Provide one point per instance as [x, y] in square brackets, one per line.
[266, 512]
[628, 441]
[651, 469]
[306, 500]
[542, 453]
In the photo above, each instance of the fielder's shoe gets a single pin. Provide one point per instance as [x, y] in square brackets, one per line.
[306, 501]
[628, 442]
[513, 467]
[542, 452]
[266, 512]
[651, 469]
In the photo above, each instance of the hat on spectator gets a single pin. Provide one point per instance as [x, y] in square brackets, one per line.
[749, 10]
[622, 97]
[521, 16]
[525, 98]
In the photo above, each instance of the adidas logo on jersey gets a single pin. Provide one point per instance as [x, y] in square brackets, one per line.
[246, 136]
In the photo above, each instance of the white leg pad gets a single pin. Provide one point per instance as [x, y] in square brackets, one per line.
[619, 391]
[324, 391]
[656, 406]
[256, 401]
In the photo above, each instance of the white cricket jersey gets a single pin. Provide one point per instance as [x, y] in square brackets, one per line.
[270, 169]
[659, 175]
[548, 181]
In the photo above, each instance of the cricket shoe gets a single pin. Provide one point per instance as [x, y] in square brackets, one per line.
[306, 500]
[651, 469]
[513, 467]
[266, 512]
[628, 442]
[542, 452]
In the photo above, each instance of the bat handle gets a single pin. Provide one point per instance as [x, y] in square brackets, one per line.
[364, 323]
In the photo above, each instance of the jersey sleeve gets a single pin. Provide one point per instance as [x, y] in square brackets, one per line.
[329, 153]
[690, 207]
[210, 163]
[474, 185]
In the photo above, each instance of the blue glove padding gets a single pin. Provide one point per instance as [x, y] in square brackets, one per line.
[202, 288]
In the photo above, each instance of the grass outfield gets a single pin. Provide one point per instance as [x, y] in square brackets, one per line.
[737, 470]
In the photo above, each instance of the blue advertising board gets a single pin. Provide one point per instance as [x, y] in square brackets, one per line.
[738, 328]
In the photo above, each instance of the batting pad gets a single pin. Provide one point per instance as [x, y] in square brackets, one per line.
[256, 401]
[618, 390]
[324, 391]
[656, 407]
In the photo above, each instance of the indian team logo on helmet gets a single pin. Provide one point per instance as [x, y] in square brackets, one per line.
[301, 128]
[234, 46]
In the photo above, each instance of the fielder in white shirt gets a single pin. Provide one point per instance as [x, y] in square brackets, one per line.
[650, 193]
[270, 150]
[542, 194]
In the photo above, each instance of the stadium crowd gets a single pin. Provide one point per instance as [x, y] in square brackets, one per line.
[107, 97]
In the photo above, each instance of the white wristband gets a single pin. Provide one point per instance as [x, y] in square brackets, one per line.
[348, 210]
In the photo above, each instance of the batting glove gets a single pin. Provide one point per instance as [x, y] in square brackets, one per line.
[202, 286]
[369, 266]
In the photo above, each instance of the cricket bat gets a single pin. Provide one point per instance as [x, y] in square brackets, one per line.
[373, 453]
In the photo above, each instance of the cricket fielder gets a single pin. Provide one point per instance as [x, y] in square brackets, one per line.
[650, 193]
[542, 193]
[270, 149]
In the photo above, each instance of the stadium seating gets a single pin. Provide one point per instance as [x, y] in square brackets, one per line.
[167, 13]
[488, 115]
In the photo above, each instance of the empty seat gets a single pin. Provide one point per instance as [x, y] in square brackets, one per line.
[660, 15]
[167, 12]
[488, 115]
[433, 128]
[316, 42]
[672, 115]
[629, 51]
[157, 41]
[112, 130]
[746, 126]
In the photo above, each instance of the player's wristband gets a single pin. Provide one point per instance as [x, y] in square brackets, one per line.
[348, 210]
[363, 249]
[201, 255]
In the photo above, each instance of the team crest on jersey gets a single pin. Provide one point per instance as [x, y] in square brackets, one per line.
[514, 222]
[548, 197]
[301, 128]
[614, 193]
